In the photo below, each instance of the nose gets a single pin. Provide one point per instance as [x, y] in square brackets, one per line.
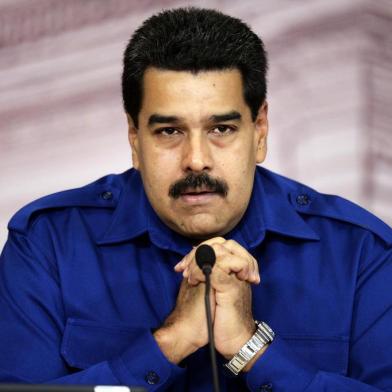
[196, 154]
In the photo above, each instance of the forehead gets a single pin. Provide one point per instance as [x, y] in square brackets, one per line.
[192, 95]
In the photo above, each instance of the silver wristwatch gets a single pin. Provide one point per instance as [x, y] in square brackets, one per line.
[264, 335]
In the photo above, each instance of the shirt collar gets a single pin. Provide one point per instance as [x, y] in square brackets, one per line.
[279, 214]
[134, 216]
[269, 210]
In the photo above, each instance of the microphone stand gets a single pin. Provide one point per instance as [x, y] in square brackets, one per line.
[207, 271]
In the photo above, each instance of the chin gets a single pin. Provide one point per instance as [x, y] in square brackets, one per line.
[202, 230]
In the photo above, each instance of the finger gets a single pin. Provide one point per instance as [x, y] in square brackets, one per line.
[254, 276]
[183, 264]
[214, 240]
[256, 272]
[238, 266]
[195, 276]
[236, 249]
[193, 272]
[245, 268]
[187, 259]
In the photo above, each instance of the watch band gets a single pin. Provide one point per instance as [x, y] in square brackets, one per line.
[263, 336]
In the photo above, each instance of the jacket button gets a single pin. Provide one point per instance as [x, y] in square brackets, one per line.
[106, 195]
[266, 388]
[303, 200]
[152, 378]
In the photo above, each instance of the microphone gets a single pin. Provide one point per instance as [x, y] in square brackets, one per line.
[205, 259]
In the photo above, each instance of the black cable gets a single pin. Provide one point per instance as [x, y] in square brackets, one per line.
[205, 259]
[214, 367]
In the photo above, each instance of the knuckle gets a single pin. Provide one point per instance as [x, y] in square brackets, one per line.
[219, 249]
[214, 241]
[232, 243]
[221, 278]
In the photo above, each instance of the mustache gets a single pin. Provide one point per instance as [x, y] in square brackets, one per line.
[194, 181]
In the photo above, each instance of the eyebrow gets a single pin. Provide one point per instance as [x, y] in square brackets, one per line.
[233, 115]
[161, 119]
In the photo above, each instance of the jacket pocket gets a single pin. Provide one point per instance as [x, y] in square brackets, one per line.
[86, 342]
[329, 354]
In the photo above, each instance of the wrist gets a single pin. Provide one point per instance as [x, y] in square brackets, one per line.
[232, 347]
[235, 346]
[252, 350]
[255, 358]
[174, 346]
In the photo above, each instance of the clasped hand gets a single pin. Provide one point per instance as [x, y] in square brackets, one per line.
[185, 330]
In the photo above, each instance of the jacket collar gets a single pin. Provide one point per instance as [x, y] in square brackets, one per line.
[269, 210]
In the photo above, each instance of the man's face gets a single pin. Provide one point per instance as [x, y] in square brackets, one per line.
[197, 148]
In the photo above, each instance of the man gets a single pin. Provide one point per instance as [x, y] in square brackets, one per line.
[99, 284]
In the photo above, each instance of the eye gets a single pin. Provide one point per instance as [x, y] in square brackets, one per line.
[167, 131]
[222, 130]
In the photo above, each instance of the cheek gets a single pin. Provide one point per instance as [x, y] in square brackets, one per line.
[239, 177]
[239, 174]
[159, 170]
[239, 163]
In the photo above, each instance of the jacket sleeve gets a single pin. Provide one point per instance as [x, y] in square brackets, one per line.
[370, 357]
[32, 323]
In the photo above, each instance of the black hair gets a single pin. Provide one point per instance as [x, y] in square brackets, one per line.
[194, 39]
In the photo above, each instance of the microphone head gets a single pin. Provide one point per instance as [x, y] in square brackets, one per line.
[205, 256]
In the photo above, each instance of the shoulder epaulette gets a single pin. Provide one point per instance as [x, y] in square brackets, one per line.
[101, 193]
[308, 201]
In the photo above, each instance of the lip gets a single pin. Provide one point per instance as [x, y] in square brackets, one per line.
[198, 198]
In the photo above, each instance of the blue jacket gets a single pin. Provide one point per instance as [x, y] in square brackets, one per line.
[87, 274]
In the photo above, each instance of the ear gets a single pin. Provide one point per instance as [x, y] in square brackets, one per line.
[261, 132]
[133, 137]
